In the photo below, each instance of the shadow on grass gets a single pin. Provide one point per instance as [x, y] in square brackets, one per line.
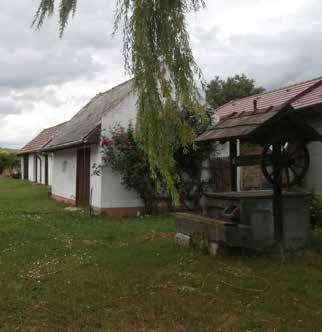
[315, 242]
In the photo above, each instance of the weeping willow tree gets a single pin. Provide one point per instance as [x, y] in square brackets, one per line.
[158, 55]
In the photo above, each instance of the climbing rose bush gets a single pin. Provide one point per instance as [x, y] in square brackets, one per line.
[125, 157]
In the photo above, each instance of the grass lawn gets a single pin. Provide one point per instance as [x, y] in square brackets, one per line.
[63, 271]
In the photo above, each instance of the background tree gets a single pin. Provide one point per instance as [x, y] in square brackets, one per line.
[158, 55]
[8, 160]
[220, 91]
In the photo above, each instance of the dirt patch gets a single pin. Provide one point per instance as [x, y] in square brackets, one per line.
[31, 307]
[158, 235]
[68, 243]
[73, 209]
[229, 323]
[89, 242]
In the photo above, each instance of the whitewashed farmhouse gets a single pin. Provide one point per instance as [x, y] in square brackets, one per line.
[76, 149]
[36, 165]
[64, 156]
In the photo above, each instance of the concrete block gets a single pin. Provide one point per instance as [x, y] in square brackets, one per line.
[213, 248]
[182, 240]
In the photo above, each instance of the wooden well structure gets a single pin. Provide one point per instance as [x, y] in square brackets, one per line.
[276, 218]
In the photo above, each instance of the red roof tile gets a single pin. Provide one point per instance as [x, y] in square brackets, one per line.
[298, 95]
[41, 140]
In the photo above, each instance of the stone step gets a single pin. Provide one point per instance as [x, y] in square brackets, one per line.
[217, 231]
[203, 219]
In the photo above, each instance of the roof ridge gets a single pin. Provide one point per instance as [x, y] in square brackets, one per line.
[270, 91]
[118, 85]
[90, 115]
[59, 124]
[99, 94]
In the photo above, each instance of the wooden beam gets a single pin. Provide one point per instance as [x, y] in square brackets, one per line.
[278, 196]
[233, 167]
[248, 160]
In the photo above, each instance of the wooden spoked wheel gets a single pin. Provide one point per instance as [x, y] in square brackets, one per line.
[293, 164]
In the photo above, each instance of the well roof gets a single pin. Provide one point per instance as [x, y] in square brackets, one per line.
[241, 118]
[262, 126]
[299, 95]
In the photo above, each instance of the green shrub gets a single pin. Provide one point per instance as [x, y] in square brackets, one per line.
[315, 210]
[125, 156]
[8, 160]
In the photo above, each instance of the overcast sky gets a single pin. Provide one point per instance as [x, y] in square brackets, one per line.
[45, 80]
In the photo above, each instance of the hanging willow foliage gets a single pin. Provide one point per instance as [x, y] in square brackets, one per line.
[157, 53]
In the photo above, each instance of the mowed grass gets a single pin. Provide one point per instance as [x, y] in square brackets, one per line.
[62, 271]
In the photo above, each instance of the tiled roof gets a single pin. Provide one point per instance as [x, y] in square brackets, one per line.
[298, 95]
[40, 140]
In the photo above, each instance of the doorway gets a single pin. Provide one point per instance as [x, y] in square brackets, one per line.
[83, 176]
[46, 170]
[26, 167]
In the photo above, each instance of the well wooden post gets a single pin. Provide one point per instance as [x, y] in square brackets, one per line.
[277, 189]
[233, 167]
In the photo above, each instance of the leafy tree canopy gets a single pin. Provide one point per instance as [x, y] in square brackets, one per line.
[221, 91]
[158, 55]
[8, 159]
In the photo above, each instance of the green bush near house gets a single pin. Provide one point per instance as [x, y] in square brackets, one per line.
[8, 160]
[126, 157]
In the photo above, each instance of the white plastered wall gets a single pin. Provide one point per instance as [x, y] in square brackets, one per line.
[50, 169]
[114, 194]
[22, 167]
[64, 173]
[95, 180]
[31, 168]
[43, 169]
[313, 179]
[222, 150]
[40, 169]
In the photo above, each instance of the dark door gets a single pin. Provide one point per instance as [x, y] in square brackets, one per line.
[36, 168]
[26, 167]
[83, 176]
[46, 170]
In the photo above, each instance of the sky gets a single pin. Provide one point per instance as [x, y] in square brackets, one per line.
[45, 80]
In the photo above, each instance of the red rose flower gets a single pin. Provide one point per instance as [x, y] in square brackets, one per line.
[126, 141]
[105, 142]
